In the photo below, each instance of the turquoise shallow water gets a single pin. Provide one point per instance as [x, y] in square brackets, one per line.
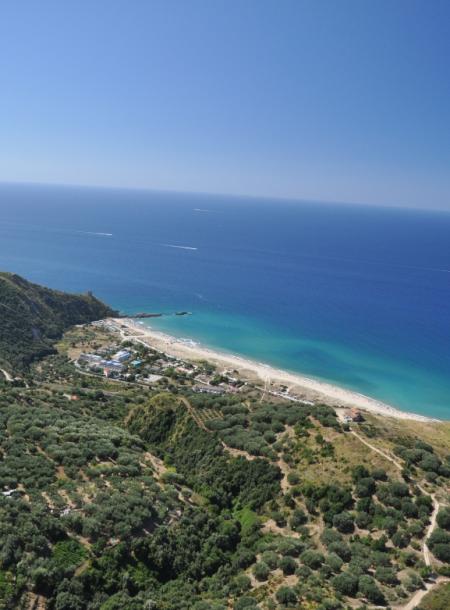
[382, 378]
[353, 295]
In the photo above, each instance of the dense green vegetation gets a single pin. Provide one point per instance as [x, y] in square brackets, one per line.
[200, 458]
[33, 317]
[118, 496]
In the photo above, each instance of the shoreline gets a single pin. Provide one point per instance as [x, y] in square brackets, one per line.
[300, 386]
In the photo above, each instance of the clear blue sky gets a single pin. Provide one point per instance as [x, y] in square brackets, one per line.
[334, 100]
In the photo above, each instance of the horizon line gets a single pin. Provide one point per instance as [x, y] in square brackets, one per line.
[148, 189]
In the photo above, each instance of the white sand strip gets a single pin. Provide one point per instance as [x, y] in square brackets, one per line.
[300, 386]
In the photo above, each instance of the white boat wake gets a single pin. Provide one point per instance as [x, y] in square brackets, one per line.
[180, 247]
[95, 233]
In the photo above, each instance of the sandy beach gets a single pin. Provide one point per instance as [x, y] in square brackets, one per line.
[299, 386]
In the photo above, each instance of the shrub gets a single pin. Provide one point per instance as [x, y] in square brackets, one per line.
[401, 539]
[330, 535]
[346, 584]
[379, 474]
[413, 582]
[334, 561]
[380, 544]
[240, 584]
[303, 572]
[279, 518]
[385, 575]
[244, 558]
[442, 552]
[344, 522]
[426, 502]
[261, 571]
[173, 478]
[416, 529]
[341, 549]
[443, 519]
[245, 603]
[288, 565]
[359, 472]
[409, 509]
[359, 565]
[368, 588]
[365, 487]
[330, 604]
[398, 489]
[286, 596]
[430, 463]
[293, 478]
[298, 519]
[390, 525]
[271, 559]
[290, 546]
[68, 554]
[269, 437]
[363, 520]
[312, 559]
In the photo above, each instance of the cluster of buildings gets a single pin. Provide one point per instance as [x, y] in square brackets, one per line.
[110, 366]
[149, 367]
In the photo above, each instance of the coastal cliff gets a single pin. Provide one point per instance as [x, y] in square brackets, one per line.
[32, 317]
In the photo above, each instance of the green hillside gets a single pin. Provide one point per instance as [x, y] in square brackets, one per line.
[119, 494]
[33, 317]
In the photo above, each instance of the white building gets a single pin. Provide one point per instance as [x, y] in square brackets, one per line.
[122, 355]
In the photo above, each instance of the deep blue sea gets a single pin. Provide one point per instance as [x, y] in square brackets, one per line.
[355, 295]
